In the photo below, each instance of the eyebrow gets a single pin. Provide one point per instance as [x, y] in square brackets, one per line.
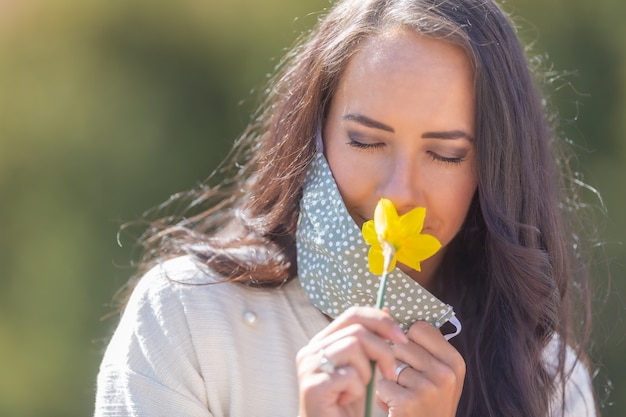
[367, 122]
[448, 134]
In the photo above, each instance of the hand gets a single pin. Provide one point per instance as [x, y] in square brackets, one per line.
[432, 384]
[350, 343]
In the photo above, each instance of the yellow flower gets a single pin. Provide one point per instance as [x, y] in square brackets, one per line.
[400, 234]
[394, 238]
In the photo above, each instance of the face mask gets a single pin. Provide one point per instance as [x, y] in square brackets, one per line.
[332, 260]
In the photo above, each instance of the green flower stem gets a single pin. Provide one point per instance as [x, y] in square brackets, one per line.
[370, 392]
[388, 253]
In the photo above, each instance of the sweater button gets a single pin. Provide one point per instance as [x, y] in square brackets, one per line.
[250, 318]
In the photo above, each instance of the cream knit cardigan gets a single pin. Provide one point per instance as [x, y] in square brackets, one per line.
[222, 350]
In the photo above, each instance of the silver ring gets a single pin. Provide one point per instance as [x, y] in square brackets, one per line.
[399, 370]
[326, 365]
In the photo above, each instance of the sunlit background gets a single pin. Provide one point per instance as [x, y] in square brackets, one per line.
[109, 107]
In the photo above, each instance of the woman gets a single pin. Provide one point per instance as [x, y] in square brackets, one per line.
[247, 307]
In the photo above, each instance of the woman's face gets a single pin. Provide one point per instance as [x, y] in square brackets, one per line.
[401, 126]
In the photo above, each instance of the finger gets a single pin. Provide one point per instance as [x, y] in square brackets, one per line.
[355, 391]
[357, 346]
[423, 365]
[392, 397]
[400, 367]
[433, 342]
[390, 392]
[375, 320]
[447, 373]
[416, 356]
[412, 391]
[383, 406]
[320, 391]
[411, 378]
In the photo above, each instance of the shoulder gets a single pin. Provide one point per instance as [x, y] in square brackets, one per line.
[573, 394]
[162, 291]
[155, 312]
[166, 275]
[183, 286]
[181, 304]
[176, 280]
[183, 295]
[200, 338]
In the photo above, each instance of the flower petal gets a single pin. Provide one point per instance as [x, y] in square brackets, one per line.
[386, 220]
[422, 246]
[369, 232]
[412, 222]
[375, 260]
[411, 262]
[402, 233]
[416, 249]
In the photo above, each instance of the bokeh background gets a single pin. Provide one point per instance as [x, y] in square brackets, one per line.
[109, 107]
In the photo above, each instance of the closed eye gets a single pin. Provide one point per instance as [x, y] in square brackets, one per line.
[361, 145]
[444, 159]
[356, 141]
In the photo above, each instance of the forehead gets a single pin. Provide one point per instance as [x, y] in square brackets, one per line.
[403, 52]
[401, 77]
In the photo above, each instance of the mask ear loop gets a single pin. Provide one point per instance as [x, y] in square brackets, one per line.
[457, 325]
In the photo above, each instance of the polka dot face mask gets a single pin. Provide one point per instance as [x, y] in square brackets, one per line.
[332, 260]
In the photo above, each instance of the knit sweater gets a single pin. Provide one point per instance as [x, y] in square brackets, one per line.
[184, 349]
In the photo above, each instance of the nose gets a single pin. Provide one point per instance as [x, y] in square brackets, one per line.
[402, 184]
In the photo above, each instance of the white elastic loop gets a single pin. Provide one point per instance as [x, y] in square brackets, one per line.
[457, 324]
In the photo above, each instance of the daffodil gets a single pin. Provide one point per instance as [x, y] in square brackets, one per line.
[399, 236]
[394, 239]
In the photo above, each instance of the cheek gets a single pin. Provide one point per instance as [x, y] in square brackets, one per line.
[354, 189]
[463, 202]
[355, 186]
[451, 202]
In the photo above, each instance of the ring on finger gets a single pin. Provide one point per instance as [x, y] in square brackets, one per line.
[326, 365]
[399, 370]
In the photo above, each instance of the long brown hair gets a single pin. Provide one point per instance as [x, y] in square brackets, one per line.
[509, 272]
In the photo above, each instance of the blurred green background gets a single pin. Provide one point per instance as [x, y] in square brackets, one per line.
[109, 107]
